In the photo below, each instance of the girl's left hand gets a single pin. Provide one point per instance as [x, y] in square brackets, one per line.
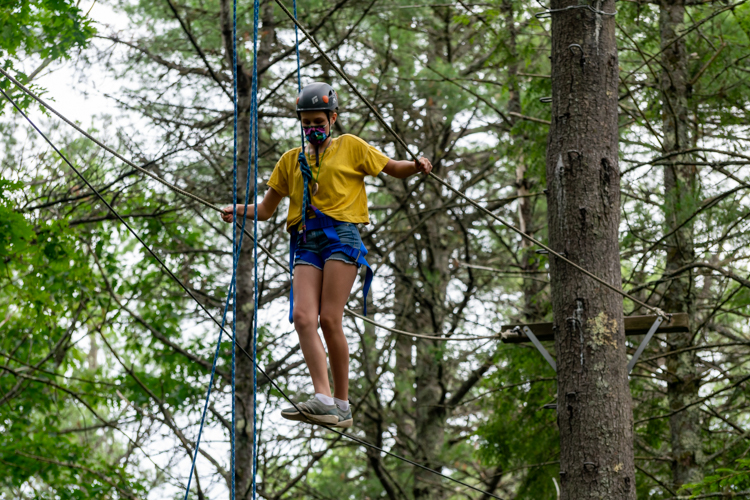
[423, 165]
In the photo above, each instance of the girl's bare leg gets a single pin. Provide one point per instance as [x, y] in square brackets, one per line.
[338, 279]
[307, 288]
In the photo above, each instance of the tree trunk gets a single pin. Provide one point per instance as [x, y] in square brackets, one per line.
[430, 372]
[583, 180]
[245, 280]
[403, 377]
[244, 326]
[680, 191]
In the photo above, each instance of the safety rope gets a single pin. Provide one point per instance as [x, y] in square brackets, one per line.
[442, 182]
[232, 295]
[235, 252]
[221, 324]
[215, 208]
[304, 167]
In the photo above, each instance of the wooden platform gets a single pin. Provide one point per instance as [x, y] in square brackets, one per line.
[634, 325]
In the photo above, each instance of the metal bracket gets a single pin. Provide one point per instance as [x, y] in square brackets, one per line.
[659, 320]
[540, 347]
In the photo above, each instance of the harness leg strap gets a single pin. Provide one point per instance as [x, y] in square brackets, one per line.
[292, 252]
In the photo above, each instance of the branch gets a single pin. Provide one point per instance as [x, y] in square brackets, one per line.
[71, 465]
[198, 49]
[696, 402]
[183, 70]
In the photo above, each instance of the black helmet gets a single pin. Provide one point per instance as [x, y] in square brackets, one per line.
[317, 97]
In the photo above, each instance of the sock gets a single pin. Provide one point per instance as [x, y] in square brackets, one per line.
[343, 405]
[326, 400]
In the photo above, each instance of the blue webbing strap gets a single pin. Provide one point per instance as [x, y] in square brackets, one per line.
[304, 167]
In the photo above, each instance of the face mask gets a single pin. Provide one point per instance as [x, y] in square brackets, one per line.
[315, 135]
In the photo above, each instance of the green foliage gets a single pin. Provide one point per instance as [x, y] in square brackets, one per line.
[49, 28]
[742, 14]
[520, 436]
[15, 231]
[726, 480]
[45, 294]
[44, 30]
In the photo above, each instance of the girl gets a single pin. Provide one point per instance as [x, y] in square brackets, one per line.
[326, 204]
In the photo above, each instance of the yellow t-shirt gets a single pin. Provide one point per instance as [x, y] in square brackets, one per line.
[341, 183]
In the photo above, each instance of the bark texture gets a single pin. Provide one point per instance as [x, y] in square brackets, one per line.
[430, 372]
[680, 191]
[583, 180]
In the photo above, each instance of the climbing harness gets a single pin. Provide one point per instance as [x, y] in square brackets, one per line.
[328, 225]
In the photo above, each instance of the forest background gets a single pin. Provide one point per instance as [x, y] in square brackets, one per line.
[104, 361]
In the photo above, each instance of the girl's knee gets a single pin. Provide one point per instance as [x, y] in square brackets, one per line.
[330, 323]
[304, 321]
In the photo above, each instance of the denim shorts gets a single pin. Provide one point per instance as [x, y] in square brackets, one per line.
[317, 242]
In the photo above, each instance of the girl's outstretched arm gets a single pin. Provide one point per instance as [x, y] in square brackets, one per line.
[266, 208]
[401, 169]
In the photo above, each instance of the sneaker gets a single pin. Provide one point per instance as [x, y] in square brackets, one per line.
[345, 417]
[313, 410]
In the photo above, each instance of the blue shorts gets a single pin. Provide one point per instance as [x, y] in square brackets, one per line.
[317, 242]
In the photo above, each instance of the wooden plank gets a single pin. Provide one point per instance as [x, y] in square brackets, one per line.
[634, 325]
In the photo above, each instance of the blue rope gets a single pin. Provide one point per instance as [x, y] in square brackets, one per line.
[232, 293]
[299, 78]
[254, 132]
[235, 254]
[210, 385]
[304, 167]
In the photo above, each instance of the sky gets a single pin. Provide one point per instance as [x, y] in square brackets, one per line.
[77, 89]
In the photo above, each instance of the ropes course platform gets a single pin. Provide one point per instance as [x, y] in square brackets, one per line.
[634, 325]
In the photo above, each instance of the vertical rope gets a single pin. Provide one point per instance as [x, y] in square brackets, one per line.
[235, 249]
[303, 166]
[254, 135]
[210, 385]
[299, 77]
[232, 292]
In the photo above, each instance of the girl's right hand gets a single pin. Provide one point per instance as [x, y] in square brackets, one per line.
[226, 212]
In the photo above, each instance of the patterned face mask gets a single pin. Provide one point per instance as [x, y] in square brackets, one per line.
[315, 135]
